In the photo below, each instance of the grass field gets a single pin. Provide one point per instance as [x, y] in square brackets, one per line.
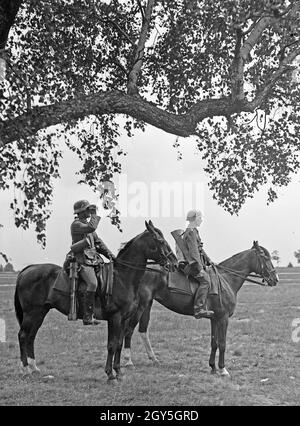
[262, 359]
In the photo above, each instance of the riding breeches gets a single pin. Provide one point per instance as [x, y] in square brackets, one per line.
[203, 279]
[202, 291]
[88, 275]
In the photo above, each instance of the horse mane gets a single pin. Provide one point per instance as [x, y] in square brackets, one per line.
[233, 258]
[265, 251]
[128, 244]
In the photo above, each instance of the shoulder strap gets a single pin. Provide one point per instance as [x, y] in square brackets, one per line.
[92, 241]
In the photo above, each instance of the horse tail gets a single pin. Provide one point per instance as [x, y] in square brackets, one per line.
[18, 307]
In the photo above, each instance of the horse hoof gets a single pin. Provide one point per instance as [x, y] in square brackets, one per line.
[155, 361]
[128, 364]
[120, 378]
[112, 381]
[213, 371]
[224, 373]
[26, 371]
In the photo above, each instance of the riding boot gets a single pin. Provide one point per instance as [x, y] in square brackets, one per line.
[89, 305]
[200, 310]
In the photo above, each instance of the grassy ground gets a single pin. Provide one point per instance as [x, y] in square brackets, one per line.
[263, 360]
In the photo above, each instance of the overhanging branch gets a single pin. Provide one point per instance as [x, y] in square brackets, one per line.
[115, 102]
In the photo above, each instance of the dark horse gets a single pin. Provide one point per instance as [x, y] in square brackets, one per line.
[235, 270]
[35, 282]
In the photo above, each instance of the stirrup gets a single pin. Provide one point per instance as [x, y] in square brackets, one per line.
[203, 313]
[91, 321]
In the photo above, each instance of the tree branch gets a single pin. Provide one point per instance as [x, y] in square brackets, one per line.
[8, 12]
[115, 102]
[141, 9]
[241, 55]
[284, 66]
[237, 73]
[121, 31]
[139, 53]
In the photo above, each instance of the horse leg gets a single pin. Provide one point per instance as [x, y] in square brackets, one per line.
[127, 346]
[214, 345]
[117, 357]
[22, 336]
[37, 318]
[113, 325]
[143, 330]
[31, 323]
[222, 330]
[142, 317]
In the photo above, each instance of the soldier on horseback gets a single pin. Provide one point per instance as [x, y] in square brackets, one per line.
[86, 246]
[198, 263]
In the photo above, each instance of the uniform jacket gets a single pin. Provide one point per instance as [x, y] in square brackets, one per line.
[194, 245]
[81, 229]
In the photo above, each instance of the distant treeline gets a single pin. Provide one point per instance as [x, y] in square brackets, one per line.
[8, 267]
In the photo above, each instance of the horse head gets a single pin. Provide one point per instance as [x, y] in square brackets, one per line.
[159, 249]
[264, 265]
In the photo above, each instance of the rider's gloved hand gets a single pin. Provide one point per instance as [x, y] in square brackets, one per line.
[93, 208]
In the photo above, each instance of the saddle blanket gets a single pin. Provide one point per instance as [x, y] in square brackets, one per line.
[180, 283]
[105, 280]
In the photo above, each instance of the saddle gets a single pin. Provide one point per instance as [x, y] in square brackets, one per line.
[62, 283]
[178, 282]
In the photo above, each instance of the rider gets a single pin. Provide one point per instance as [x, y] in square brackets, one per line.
[83, 233]
[200, 260]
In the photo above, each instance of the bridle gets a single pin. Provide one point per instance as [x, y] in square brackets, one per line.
[260, 255]
[163, 261]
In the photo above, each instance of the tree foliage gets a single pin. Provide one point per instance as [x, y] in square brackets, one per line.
[8, 267]
[275, 256]
[221, 71]
[297, 255]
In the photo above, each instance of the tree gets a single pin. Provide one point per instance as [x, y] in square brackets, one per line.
[290, 265]
[3, 255]
[221, 71]
[9, 267]
[8, 12]
[1, 268]
[275, 256]
[297, 255]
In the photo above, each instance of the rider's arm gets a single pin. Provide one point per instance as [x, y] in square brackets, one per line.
[208, 261]
[102, 248]
[190, 239]
[86, 228]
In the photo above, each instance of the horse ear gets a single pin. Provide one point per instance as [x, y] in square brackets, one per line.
[151, 224]
[255, 244]
[149, 227]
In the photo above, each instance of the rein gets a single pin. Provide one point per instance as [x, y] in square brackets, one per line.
[243, 276]
[138, 267]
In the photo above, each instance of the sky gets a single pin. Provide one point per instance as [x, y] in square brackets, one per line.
[151, 160]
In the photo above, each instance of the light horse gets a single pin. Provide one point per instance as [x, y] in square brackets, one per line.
[235, 270]
[35, 282]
